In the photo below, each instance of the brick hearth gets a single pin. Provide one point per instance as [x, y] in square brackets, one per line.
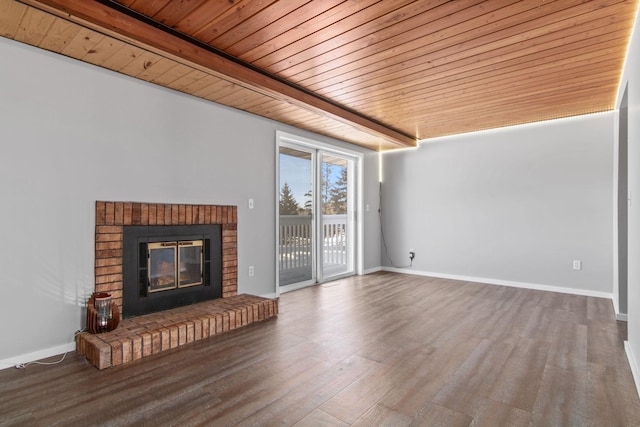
[143, 336]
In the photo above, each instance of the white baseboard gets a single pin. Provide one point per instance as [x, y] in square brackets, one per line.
[37, 355]
[616, 310]
[372, 270]
[272, 295]
[632, 365]
[512, 284]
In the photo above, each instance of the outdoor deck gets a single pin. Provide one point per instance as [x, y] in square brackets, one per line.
[296, 247]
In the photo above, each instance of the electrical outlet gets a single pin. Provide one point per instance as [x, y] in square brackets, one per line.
[412, 254]
[251, 271]
[577, 264]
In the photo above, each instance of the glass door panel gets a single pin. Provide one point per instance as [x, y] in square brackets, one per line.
[296, 261]
[162, 266]
[336, 227]
[190, 263]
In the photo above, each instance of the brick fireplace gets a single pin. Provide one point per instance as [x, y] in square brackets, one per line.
[149, 334]
[112, 217]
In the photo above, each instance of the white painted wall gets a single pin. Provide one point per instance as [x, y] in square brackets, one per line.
[515, 205]
[71, 134]
[371, 221]
[631, 76]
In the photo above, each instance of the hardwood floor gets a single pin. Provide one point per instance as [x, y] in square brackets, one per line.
[381, 349]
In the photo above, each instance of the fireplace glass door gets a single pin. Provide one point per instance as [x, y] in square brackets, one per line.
[190, 263]
[174, 265]
[162, 266]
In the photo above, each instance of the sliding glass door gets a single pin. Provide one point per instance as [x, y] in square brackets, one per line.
[316, 215]
[296, 231]
[337, 210]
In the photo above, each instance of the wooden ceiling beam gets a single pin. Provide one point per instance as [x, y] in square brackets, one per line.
[110, 21]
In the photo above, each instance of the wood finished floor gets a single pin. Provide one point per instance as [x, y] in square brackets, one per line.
[381, 349]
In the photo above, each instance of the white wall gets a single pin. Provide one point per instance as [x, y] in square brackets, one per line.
[513, 205]
[371, 229]
[71, 134]
[631, 76]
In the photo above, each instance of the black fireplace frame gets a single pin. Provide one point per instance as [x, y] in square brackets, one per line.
[135, 300]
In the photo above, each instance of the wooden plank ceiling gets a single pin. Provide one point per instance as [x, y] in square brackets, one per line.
[380, 74]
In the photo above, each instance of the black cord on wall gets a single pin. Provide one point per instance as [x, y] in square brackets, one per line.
[384, 243]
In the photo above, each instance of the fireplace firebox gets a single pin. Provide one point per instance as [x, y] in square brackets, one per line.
[170, 266]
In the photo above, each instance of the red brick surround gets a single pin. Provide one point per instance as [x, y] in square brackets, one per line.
[153, 333]
[111, 217]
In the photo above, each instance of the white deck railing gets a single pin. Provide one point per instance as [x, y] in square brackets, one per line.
[296, 244]
[334, 233]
